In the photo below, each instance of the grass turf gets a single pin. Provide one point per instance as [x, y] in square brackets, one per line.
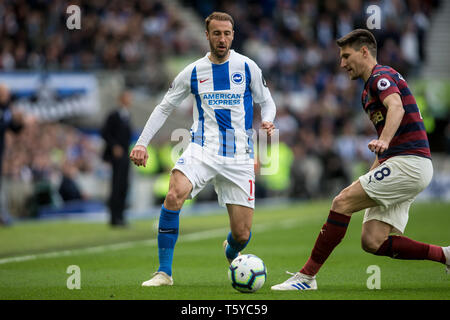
[282, 236]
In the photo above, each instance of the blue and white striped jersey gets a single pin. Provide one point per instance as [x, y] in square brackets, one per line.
[223, 102]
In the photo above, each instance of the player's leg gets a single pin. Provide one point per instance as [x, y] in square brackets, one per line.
[374, 234]
[379, 222]
[179, 189]
[235, 187]
[378, 184]
[376, 239]
[350, 200]
[189, 176]
[240, 224]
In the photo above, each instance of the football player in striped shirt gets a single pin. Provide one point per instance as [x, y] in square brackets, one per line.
[401, 170]
[224, 84]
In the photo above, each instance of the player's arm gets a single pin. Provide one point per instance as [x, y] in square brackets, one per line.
[177, 92]
[139, 154]
[268, 111]
[262, 96]
[394, 117]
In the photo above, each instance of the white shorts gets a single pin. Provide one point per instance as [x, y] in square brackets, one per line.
[394, 185]
[233, 179]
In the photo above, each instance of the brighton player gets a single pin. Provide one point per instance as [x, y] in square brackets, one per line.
[225, 84]
[401, 170]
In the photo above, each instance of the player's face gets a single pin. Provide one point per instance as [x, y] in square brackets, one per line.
[220, 35]
[352, 62]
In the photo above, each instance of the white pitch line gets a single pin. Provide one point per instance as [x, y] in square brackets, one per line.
[201, 235]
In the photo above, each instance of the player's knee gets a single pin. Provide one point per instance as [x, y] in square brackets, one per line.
[242, 236]
[174, 199]
[340, 203]
[371, 244]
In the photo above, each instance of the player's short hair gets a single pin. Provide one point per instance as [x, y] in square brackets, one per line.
[359, 38]
[221, 16]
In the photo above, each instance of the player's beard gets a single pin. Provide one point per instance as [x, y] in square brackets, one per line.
[218, 53]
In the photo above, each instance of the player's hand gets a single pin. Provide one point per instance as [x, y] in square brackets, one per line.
[139, 155]
[269, 127]
[378, 146]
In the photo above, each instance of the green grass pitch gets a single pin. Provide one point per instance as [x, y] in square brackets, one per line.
[34, 258]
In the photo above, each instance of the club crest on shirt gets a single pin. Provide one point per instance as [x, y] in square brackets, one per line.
[383, 84]
[237, 78]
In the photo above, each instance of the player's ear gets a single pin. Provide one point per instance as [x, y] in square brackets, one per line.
[365, 51]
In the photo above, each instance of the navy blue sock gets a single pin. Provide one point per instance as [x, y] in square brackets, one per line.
[234, 247]
[167, 237]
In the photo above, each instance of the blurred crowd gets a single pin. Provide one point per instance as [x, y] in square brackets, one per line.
[132, 35]
[42, 149]
[323, 131]
[48, 158]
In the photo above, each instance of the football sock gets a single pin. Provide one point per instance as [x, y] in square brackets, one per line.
[333, 231]
[167, 237]
[399, 247]
[234, 247]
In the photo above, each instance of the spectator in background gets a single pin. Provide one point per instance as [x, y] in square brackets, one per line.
[306, 171]
[117, 134]
[68, 188]
[9, 120]
[334, 177]
[410, 46]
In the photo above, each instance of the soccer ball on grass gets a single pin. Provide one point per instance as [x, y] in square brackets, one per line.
[247, 273]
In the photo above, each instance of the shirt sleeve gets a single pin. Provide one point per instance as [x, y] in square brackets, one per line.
[383, 86]
[180, 87]
[155, 122]
[268, 110]
[178, 91]
[258, 84]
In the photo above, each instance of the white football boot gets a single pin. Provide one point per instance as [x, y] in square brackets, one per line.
[160, 278]
[447, 257]
[298, 281]
[225, 243]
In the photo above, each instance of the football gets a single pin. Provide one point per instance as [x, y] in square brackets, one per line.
[247, 273]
